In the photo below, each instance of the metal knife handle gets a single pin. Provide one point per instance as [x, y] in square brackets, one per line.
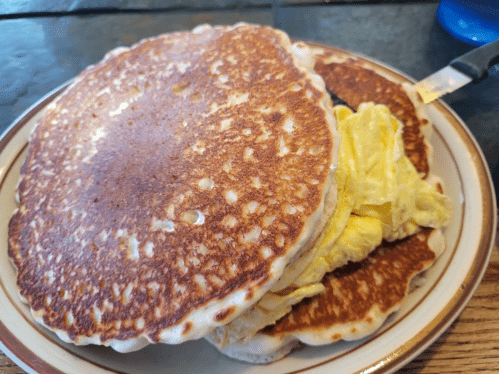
[476, 62]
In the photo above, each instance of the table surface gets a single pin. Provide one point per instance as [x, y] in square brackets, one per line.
[45, 43]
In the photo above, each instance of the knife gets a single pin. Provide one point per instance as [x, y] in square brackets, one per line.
[470, 67]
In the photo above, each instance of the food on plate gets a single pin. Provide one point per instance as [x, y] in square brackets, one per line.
[358, 298]
[201, 184]
[381, 196]
[167, 188]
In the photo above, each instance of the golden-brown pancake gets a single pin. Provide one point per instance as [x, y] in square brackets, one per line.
[354, 83]
[359, 297]
[167, 188]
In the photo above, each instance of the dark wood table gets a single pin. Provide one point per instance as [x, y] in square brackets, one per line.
[45, 43]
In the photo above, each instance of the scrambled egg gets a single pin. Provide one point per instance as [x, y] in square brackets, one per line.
[380, 193]
[380, 196]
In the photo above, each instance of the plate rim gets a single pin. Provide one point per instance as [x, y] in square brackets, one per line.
[438, 325]
[34, 363]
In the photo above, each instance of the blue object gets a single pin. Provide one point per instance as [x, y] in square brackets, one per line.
[473, 22]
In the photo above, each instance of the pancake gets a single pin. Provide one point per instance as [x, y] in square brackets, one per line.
[167, 188]
[362, 292]
[352, 81]
[359, 297]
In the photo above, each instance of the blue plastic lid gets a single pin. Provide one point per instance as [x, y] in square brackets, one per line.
[473, 22]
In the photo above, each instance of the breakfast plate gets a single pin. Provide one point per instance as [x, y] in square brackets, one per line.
[426, 313]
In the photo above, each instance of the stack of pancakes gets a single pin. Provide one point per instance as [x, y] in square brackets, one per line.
[173, 187]
[360, 293]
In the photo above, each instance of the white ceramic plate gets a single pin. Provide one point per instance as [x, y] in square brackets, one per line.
[427, 312]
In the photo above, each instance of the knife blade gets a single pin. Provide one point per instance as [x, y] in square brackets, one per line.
[470, 67]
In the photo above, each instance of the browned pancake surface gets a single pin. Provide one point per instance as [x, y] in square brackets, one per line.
[356, 84]
[169, 176]
[352, 291]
